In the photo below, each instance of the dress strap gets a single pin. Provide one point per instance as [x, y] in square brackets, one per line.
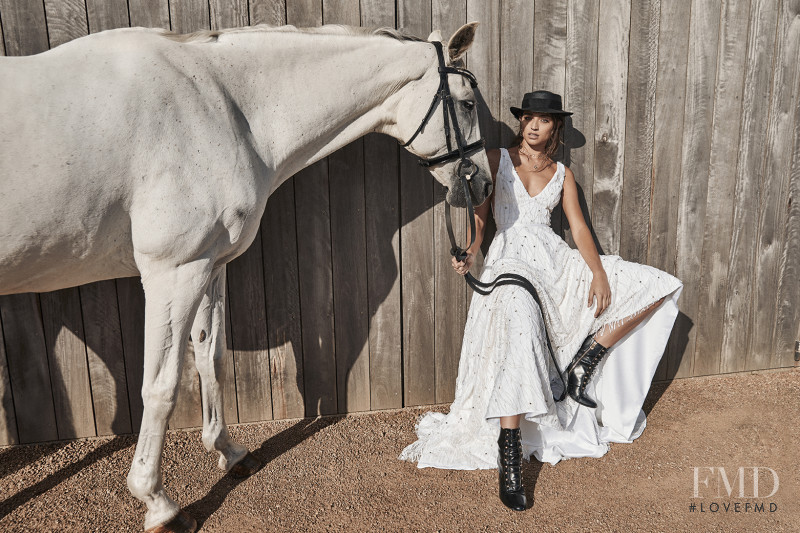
[503, 157]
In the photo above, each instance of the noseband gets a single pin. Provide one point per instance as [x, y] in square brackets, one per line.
[465, 170]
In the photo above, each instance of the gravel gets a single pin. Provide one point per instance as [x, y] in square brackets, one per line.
[341, 474]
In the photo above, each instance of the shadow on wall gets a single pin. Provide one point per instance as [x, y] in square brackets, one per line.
[126, 391]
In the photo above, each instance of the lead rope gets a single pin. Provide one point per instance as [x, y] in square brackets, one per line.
[503, 279]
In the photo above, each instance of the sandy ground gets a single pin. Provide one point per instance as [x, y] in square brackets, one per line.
[341, 474]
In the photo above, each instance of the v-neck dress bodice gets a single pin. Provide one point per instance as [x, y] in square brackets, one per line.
[505, 369]
[513, 204]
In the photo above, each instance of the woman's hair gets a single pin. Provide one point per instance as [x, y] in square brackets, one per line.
[553, 142]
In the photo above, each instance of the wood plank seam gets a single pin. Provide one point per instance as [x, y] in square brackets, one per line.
[4, 350]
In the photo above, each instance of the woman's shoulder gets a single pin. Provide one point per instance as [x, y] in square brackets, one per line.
[567, 177]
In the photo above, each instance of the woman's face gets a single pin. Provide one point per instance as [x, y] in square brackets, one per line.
[536, 128]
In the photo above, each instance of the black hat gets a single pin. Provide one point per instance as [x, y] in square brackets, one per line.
[540, 102]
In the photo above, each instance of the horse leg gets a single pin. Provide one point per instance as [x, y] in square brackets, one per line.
[172, 296]
[208, 336]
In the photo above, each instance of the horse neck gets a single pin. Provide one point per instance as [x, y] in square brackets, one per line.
[307, 95]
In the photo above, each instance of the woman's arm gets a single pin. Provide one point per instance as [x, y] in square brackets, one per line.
[583, 239]
[481, 216]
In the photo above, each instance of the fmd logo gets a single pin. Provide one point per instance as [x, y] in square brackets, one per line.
[747, 482]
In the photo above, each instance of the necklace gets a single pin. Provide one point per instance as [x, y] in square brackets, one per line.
[542, 158]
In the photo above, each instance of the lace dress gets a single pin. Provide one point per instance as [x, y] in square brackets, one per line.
[505, 368]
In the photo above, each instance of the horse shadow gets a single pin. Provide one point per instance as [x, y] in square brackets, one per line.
[125, 297]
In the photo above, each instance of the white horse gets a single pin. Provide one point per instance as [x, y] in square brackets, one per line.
[138, 152]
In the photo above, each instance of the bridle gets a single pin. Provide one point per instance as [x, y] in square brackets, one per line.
[464, 171]
[463, 151]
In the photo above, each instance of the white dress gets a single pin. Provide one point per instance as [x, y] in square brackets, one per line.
[505, 368]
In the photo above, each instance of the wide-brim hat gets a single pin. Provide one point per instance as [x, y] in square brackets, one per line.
[540, 102]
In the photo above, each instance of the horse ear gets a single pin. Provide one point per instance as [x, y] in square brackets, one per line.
[461, 40]
[435, 35]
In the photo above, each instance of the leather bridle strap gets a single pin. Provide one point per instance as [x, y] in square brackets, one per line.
[463, 151]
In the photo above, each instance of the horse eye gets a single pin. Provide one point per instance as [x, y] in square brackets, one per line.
[468, 104]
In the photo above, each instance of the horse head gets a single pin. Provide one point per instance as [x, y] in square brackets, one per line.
[433, 135]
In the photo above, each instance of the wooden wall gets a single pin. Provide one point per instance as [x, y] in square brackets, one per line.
[685, 142]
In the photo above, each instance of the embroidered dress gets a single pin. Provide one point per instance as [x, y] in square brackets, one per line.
[505, 368]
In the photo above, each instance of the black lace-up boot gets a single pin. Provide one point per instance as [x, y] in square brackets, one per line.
[512, 493]
[581, 368]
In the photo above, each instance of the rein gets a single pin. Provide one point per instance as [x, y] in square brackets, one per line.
[465, 170]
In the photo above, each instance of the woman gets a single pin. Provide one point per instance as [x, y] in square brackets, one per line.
[592, 306]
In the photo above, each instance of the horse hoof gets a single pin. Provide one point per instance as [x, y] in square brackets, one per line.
[182, 523]
[248, 466]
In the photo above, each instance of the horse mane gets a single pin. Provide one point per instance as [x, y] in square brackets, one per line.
[211, 36]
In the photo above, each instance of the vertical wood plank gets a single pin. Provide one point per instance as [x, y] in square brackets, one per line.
[249, 338]
[106, 358]
[130, 297]
[516, 61]
[787, 325]
[268, 12]
[316, 291]
[670, 90]
[382, 214]
[279, 237]
[673, 46]
[347, 12]
[24, 28]
[417, 254]
[450, 305]
[107, 14]
[28, 370]
[712, 292]
[580, 96]
[229, 14]
[774, 183]
[312, 205]
[483, 60]
[149, 13]
[66, 20]
[348, 240]
[612, 79]
[69, 373]
[8, 420]
[639, 127]
[189, 15]
[697, 121]
[755, 109]
[550, 45]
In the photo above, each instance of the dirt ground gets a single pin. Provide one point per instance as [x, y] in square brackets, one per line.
[341, 474]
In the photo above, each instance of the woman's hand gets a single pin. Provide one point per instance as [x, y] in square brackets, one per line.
[601, 290]
[462, 267]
